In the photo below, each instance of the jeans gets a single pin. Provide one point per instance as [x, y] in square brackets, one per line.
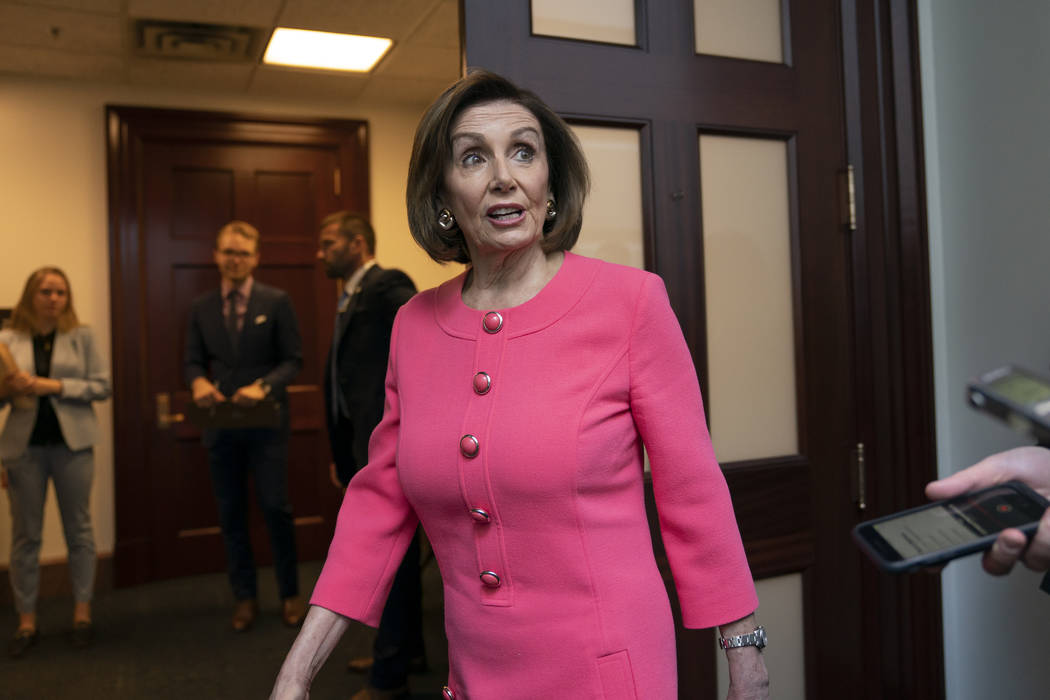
[262, 455]
[72, 474]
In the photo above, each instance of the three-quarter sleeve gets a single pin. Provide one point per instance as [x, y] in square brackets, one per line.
[696, 516]
[375, 524]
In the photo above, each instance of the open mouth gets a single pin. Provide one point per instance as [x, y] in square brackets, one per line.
[505, 214]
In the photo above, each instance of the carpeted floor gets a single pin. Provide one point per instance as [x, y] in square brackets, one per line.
[172, 639]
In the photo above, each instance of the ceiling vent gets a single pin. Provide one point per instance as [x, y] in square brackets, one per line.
[193, 41]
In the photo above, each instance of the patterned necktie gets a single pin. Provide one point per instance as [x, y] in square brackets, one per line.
[231, 319]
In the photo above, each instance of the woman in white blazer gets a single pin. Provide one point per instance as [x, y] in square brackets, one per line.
[49, 434]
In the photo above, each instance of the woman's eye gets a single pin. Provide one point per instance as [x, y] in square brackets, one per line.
[526, 153]
[470, 159]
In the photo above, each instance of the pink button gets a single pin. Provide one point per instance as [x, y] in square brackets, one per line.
[480, 515]
[482, 383]
[447, 693]
[469, 446]
[492, 322]
[490, 579]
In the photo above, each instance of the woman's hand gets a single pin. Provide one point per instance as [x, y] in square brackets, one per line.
[25, 384]
[748, 677]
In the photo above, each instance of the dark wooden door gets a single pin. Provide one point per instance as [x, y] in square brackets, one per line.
[795, 509]
[176, 177]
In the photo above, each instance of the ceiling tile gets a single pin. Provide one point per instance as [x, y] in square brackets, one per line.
[202, 75]
[68, 30]
[391, 18]
[237, 13]
[269, 80]
[62, 64]
[112, 7]
[411, 61]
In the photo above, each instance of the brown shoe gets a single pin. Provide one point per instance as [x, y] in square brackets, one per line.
[293, 611]
[244, 614]
[370, 693]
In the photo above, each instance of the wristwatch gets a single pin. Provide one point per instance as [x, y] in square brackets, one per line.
[751, 639]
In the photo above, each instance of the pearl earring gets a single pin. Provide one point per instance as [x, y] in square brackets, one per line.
[551, 211]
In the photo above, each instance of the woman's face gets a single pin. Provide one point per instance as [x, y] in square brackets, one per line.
[496, 185]
[51, 298]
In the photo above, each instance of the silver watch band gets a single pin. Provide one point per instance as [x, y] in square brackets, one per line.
[757, 638]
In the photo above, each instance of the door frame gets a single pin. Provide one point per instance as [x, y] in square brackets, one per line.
[902, 633]
[127, 128]
[894, 336]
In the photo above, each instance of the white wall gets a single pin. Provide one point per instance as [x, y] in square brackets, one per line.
[986, 112]
[53, 192]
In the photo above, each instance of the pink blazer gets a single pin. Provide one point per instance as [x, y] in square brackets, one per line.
[516, 439]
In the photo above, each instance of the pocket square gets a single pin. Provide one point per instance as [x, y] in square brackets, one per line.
[261, 318]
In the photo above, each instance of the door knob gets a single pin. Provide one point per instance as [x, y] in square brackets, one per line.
[165, 418]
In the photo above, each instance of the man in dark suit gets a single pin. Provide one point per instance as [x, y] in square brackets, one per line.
[354, 398]
[245, 337]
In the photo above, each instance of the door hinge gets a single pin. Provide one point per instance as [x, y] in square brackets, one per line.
[849, 199]
[860, 474]
[337, 182]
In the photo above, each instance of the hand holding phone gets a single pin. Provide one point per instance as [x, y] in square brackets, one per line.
[939, 532]
[1028, 464]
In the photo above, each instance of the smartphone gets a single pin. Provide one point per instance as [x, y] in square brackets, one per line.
[1017, 396]
[944, 530]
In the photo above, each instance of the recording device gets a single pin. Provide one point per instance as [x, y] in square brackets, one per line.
[938, 532]
[1017, 396]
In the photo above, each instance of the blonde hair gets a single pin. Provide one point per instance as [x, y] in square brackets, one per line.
[23, 317]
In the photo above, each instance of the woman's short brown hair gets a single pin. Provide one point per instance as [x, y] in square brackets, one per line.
[23, 317]
[567, 176]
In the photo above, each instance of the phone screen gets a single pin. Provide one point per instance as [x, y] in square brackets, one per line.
[957, 522]
[1021, 389]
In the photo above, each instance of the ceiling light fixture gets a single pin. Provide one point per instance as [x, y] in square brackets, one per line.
[325, 50]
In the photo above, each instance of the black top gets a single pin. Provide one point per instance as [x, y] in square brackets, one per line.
[46, 430]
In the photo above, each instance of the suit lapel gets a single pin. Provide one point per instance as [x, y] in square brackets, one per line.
[352, 302]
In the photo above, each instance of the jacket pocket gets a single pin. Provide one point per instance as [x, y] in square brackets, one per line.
[616, 676]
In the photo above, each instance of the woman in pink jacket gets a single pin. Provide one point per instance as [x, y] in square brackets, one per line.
[519, 397]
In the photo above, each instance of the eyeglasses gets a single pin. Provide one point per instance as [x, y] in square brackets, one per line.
[230, 253]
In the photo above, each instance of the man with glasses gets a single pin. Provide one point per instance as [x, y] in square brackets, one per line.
[243, 347]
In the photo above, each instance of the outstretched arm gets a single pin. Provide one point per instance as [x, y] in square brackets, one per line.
[319, 634]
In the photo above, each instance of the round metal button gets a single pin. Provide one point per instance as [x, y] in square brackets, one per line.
[480, 515]
[490, 579]
[469, 446]
[447, 693]
[492, 322]
[482, 383]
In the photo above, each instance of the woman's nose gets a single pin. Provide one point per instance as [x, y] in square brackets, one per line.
[501, 177]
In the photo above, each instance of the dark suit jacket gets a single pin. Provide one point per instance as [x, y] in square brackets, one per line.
[361, 358]
[269, 346]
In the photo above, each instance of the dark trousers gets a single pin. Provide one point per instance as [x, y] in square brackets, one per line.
[262, 455]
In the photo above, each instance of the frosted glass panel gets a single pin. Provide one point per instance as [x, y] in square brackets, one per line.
[747, 273]
[780, 612]
[739, 28]
[610, 21]
[612, 216]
